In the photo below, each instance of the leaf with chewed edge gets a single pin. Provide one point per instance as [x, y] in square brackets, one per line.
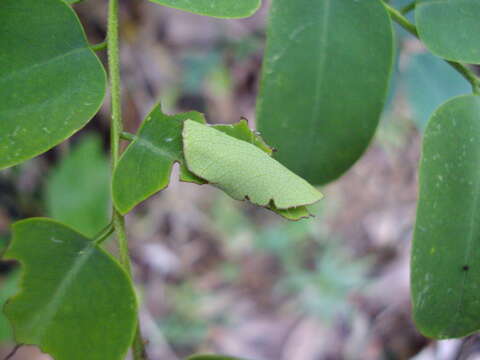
[146, 164]
[241, 131]
[76, 302]
[8, 287]
[244, 171]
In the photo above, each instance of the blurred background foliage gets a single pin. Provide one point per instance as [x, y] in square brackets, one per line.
[217, 275]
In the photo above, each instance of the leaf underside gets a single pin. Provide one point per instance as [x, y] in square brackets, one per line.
[445, 265]
[51, 83]
[215, 8]
[76, 302]
[242, 170]
[450, 28]
[321, 107]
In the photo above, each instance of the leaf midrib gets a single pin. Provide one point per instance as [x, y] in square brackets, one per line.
[41, 323]
[157, 150]
[322, 45]
[49, 61]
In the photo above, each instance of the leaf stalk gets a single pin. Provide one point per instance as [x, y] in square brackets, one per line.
[100, 46]
[128, 136]
[104, 234]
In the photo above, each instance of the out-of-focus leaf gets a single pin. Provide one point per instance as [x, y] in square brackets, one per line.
[196, 66]
[244, 171]
[322, 92]
[430, 81]
[76, 302]
[185, 324]
[51, 82]
[78, 189]
[215, 8]
[7, 288]
[445, 264]
[450, 28]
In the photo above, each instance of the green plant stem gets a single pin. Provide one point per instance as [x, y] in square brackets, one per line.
[104, 234]
[468, 74]
[115, 84]
[100, 46]
[138, 347]
[401, 20]
[127, 136]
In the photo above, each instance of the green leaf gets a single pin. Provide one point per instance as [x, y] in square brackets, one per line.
[450, 28]
[430, 81]
[215, 8]
[145, 167]
[78, 189]
[146, 164]
[445, 264]
[8, 288]
[241, 131]
[242, 170]
[211, 357]
[324, 83]
[51, 83]
[76, 302]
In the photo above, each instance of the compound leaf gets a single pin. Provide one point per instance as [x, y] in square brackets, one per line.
[445, 264]
[322, 92]
[51, 83]
[76, 302]
[242, 170]
[78, 188]
[215, 8]
[450, 28]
